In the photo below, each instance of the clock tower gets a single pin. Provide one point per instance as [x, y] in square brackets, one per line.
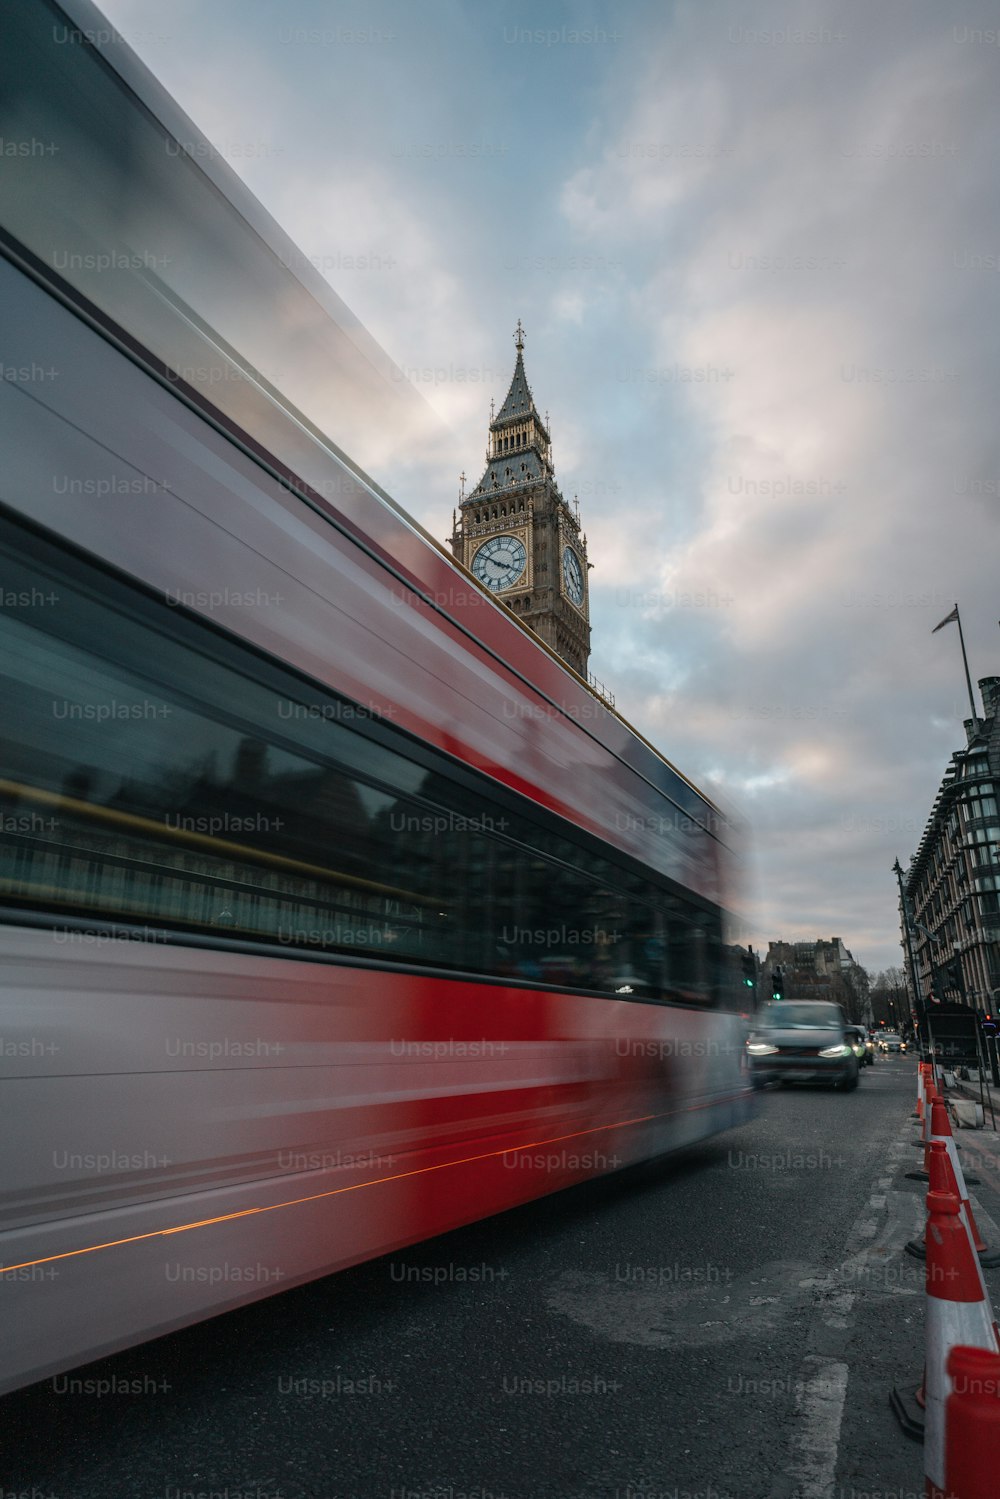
[518, 536]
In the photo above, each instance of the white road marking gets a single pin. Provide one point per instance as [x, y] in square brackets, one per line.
[838, 1310]
[819, 1406]
[822, 1387]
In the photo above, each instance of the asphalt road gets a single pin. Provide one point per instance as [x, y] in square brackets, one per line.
[726, 1326]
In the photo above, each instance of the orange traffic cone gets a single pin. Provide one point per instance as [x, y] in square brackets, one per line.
[921, 1081]
[941, 1127]
[957, 1313]
[930, 1093]
[909, 1409]
[947, 1176]
[972, 1423]
[921, 1174]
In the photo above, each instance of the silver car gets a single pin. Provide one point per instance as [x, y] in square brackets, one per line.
[801, 1041]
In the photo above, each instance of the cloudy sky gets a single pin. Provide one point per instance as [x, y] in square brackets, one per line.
[757, 254]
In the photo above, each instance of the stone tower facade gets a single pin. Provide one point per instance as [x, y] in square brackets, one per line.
[518, 536]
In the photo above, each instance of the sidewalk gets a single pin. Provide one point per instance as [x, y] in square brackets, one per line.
[969, 1088]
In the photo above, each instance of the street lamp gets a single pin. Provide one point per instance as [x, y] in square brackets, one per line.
[906, 909]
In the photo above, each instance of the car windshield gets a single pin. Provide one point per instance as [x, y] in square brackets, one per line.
[789, 1016]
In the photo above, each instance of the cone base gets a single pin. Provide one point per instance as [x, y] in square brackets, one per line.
[917, 1176]
[917, 1248]
[908, 1413]
[989, 1258]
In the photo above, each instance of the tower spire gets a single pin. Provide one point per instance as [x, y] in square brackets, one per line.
[517, 534]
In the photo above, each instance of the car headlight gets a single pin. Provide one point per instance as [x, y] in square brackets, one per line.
[761, 1048]
[841, 1050]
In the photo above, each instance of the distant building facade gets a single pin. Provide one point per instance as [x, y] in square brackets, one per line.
[951, 890]
[824, 969]
[518, 536]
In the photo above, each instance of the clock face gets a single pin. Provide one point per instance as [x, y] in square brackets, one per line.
[572, 576]
[500, 562]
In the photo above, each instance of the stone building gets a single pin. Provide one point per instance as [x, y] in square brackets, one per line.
[517, 534]
[952, 886]
[823, 969]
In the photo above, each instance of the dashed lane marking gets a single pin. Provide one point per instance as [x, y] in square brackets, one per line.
[819, 1406]
[821, 1391]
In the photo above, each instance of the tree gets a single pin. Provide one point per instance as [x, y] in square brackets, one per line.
[851, 989]
[890, 1001]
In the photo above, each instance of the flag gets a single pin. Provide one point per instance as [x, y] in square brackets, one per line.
[948, 619]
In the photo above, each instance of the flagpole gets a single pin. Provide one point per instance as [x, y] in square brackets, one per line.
[965, 663]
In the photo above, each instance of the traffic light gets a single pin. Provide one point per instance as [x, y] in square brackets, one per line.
[777, 984]
[749, 969]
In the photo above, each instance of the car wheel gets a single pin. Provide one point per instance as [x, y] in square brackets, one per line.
[851, 1081]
